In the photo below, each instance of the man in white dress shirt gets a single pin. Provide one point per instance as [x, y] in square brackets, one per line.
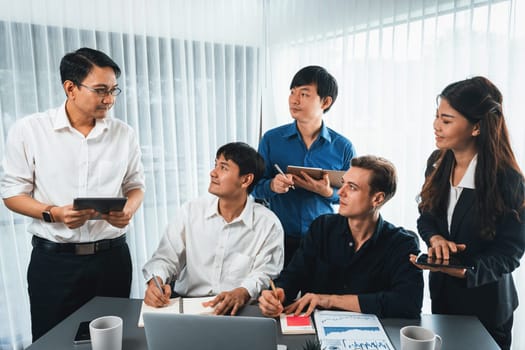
[74, 151]
[224, 245]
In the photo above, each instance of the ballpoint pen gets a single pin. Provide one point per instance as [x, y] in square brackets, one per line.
[282, 173]
[157, 283]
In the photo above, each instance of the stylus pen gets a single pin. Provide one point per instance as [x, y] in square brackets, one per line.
[157, 283]
[282, 173]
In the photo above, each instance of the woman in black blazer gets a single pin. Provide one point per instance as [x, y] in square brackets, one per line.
[473, 202]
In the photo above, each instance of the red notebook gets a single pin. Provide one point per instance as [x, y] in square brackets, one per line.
[291, 324]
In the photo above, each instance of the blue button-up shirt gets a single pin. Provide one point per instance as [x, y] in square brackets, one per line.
[284, 146]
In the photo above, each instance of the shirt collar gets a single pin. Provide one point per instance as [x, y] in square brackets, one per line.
[377, 231]
[468, 179]
[61, 121]
[246, 216]
[293, 131]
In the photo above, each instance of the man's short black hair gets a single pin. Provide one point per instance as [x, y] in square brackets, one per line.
[326, 83]
[247, 159]
[75, 66]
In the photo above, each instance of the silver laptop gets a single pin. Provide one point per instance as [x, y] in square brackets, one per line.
[202, 332]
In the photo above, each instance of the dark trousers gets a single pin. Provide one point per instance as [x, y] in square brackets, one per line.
[59, 283]
[502, 334]
[290, 246]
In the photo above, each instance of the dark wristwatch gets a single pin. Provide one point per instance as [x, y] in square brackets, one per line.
[46, 214]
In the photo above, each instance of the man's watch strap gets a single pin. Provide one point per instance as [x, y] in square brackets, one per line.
[47, 216]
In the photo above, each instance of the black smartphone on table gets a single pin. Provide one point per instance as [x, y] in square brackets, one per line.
[454, 261]
[82, 336]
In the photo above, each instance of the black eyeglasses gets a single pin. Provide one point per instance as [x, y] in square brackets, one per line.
[103, 92]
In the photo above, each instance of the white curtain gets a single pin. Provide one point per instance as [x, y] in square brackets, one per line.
[391, 59]
[195, 73]
[190, 84]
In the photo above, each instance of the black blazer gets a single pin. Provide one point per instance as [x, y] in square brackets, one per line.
[488, 291]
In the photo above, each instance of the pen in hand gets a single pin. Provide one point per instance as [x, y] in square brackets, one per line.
[274, 290]
[157, 284]
[280, 171]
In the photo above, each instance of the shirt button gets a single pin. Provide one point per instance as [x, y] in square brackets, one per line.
[351, 244]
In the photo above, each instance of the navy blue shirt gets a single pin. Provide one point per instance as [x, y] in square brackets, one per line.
[284, 146]
[379, 273]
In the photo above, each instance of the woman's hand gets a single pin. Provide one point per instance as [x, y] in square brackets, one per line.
[441, 248]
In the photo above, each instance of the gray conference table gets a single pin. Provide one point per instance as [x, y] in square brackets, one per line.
[457, 332]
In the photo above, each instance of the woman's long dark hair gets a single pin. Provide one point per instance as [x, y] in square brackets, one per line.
[480, 101]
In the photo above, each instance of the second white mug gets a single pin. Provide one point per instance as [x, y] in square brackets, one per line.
[106, 333]
[419, 338]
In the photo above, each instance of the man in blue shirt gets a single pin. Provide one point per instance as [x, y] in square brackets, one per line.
[305, 142]
[354, 260]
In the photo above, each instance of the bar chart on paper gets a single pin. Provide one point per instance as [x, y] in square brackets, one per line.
[341, 330]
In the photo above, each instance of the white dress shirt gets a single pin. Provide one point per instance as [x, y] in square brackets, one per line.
[48, 159]
[455, 191]
[208, 255]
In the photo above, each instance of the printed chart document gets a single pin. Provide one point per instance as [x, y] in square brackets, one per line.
[291, 324]
[335, 176]
[345, 330]
[192, 306]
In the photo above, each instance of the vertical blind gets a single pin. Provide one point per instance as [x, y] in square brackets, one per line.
[190, 73]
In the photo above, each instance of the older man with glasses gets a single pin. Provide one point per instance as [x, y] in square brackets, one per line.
[74, 151]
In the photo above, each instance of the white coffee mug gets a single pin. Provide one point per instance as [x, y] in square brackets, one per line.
[106, 333]
[419, 338]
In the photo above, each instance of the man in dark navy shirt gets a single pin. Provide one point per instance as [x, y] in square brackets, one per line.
[353, 260]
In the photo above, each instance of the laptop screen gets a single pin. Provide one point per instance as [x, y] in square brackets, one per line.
[180, 331]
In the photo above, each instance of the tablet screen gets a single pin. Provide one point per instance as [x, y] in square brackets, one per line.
[102, 205]
[453, 261]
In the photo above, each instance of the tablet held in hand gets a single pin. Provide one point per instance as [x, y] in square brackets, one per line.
[454, 261]
[335, 176]
[102, 205]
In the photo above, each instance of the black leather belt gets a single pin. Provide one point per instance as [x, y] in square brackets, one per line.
[89, 248]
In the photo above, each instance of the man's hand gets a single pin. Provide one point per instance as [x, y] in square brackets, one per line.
[321, 186]
[441, 248]
[309, 300]
[231, 300]
[270, 303]
[281, 183]
[154, 297]
[119, 219]
[70, 217]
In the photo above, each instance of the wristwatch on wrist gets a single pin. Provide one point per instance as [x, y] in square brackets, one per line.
[46, 214]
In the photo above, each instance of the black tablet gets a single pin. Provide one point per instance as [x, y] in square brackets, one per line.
[454, 261]
[336, 176]
[102, 205]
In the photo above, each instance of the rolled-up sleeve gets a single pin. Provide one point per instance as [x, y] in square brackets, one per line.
[18, 164]
[134, 178]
